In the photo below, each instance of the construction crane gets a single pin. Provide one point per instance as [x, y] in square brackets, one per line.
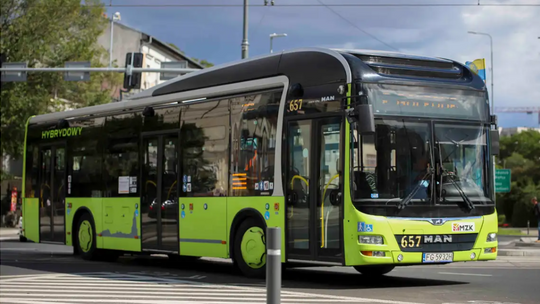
[528, 110]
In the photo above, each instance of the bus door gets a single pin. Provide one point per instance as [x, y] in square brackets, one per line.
[52, 193]
[314, 188]
[159, 201]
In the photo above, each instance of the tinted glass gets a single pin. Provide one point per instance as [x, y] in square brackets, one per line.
[253, 127]
[204, 149]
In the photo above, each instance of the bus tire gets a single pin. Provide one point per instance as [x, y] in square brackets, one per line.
[249, 254]
[377, 270]
[86, 237]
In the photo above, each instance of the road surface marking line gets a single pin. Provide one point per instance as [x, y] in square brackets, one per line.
[46, 292]
[20, 301]
[262, 290]
[467, 274]
[127, 297]
[110, 289]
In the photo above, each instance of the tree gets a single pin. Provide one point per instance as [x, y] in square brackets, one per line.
[202, 62]
[520, 153]
[48, 33]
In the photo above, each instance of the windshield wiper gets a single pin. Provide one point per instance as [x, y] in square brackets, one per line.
[459, 189]
[409, 197]
[451, 177]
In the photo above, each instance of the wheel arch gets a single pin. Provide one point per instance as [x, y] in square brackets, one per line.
[76, 217]
[238, 219]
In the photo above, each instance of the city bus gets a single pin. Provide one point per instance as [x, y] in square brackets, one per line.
[362, 158]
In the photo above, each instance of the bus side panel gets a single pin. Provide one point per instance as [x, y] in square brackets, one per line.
[94, 204]
[202, 226]
[271, 208]
[121, 224]
[31, 219]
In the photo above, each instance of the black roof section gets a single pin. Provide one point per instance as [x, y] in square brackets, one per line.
[319, 66]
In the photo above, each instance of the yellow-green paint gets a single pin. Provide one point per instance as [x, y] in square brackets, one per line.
[31, 219]
[116, 221]
[121, 224]
[34, 218]
[253, 247]
[73, 205]
[86, 236]
[276, 218]
[202, 230]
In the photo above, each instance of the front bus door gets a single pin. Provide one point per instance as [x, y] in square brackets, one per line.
[52, 194]
[314, 189]
[159, 202]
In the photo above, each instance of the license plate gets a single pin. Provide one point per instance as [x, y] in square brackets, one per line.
[438, 257]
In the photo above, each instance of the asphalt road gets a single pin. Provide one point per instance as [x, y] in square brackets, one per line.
[38, 273]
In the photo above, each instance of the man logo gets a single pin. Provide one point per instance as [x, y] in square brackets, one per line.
[437, 222]
[433, 239]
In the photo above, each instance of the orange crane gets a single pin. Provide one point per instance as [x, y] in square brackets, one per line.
[528, 110]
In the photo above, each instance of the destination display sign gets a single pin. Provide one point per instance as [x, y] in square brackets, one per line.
[427, 102]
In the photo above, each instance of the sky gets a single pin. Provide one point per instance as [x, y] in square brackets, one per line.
[215, 32]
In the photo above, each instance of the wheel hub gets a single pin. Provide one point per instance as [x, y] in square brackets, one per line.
[253, 247]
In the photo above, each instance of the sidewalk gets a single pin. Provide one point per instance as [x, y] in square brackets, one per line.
[525, 246]
[9, 233]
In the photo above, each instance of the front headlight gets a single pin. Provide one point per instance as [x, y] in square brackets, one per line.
[370, 239]
[492, 237]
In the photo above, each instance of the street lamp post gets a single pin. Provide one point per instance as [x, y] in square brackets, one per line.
[491, 47]
[115, 17]
[245, 43]
[274, 35]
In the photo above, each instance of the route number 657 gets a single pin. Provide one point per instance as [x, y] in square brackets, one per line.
[295, 105]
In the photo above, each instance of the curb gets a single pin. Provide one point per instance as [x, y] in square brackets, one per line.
[519, 252]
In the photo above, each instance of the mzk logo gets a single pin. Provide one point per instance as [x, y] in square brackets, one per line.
[66, 132]
[460, 227]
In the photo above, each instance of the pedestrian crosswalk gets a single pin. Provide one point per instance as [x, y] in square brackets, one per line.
[107, 287]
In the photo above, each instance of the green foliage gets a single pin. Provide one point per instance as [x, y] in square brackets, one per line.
[48, 33]
[521, 154]
[202, 62]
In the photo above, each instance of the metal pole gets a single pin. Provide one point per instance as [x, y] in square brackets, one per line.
[273, 265]
[245, 44]
[111, 48]
[271, 51]
[83, 69]
[492, 92]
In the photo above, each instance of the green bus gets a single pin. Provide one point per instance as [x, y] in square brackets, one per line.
[363, 158]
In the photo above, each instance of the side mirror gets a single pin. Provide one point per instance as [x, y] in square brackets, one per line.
[296, 91]
[366, 119]
[494, 139]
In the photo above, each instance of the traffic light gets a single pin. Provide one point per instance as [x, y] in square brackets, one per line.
[133, 81]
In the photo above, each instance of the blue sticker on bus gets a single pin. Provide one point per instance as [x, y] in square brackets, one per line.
[183, 215]
[374, 195]
[363, 227]
[267, 215]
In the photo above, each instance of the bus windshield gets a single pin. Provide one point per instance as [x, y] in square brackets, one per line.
[422, 162]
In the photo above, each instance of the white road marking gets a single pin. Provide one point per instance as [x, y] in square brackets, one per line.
[467, 274]
[135, 289]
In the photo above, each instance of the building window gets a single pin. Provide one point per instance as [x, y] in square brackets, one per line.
[205, 146]
[253, 135]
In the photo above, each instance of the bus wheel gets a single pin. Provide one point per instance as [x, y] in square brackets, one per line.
[249, 252]
[86, 237]
[378, 270]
